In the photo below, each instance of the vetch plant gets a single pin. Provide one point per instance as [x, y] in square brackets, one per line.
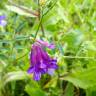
[67, 25]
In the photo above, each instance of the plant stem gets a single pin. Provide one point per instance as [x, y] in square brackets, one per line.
[78, 57]
[40, 20]
[41, 17]
[38, 28]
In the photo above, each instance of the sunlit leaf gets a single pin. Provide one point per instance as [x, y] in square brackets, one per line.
[13, 76]
[21, 10]
[83, 78]
[33, 89]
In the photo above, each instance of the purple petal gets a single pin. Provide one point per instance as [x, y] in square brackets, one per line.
[3, 22]
[32, 59]
[51, 46]
[51, 71]
[37, 76]
[46, 44]
[39, 54]
[45, 55]
[54, 66]
[54, 61]
[42, 65]
[30, 70]
[2, 17]
[43, 71]
[42, 42]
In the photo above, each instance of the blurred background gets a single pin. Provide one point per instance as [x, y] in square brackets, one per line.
[71, 25]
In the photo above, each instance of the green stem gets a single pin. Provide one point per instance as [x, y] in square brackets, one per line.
[38, 27]
[40, 23]
[78, 57]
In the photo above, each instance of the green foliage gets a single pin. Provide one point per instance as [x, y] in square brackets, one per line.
[69, 91]
[71, 25]
[83, 78]
[13, 76]
[33, 89]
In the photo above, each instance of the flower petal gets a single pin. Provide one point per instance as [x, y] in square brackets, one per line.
[30, 70]
[43, 71]
[54, 66]
[3, 22]
[43, 42]
[2, 17]
[51, 46]
[37, 76]
[42, 64]
[46, 44]
[51, 71]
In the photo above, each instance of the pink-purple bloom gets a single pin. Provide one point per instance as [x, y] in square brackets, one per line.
[40, 61]
[2, 20]
[46, 44]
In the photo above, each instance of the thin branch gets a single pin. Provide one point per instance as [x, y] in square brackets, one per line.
[38, 27]
[42, 29]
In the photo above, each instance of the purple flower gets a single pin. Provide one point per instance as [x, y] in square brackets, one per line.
[41, 62]
[51, 46]
[2, 20]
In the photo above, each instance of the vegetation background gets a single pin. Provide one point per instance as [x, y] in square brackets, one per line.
[71, 24]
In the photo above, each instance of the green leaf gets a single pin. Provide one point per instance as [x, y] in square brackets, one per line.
[21, 10]
[83, 78]
[33, 89]
[20, 27]
[51, 83]
[2, 65]
[21, 37]
[69, 91]
[19, 47]
[91, 91]
[13, 76]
